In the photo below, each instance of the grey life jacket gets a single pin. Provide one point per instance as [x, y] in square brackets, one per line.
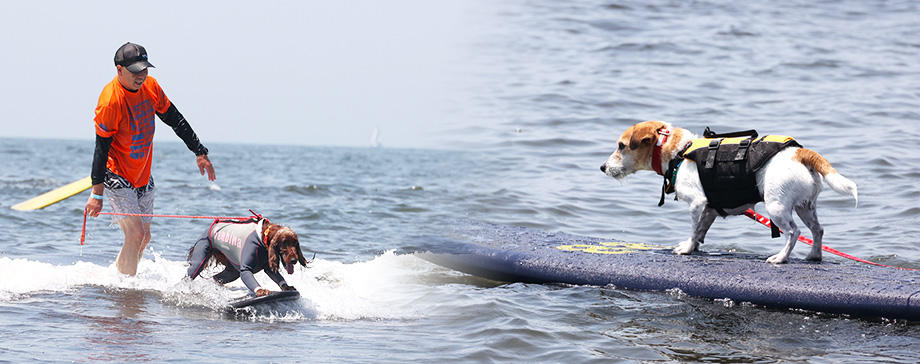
[229, 237]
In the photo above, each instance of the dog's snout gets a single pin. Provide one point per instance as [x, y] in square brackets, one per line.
[604, 167]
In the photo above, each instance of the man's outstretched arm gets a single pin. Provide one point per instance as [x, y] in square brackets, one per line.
[181, 127]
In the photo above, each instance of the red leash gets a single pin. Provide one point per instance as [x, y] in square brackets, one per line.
[83, 233]
[766, 222]
[177, 216]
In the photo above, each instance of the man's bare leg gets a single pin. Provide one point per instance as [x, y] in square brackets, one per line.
[137, 235]
[140, 252]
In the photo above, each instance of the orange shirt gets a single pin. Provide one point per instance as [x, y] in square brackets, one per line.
[129, 117]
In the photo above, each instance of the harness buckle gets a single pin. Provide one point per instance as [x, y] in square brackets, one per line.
[742, 149]
[711, 154]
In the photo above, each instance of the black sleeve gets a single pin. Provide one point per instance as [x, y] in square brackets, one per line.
[249, 264]
[177, 122]
[100, 157]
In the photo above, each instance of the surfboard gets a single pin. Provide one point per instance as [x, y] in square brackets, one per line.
[55, 195]
[273, 297]
[518, 254]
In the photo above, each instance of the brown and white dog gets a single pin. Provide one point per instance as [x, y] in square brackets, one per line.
[789, 182]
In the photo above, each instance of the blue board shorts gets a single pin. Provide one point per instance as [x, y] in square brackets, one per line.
[127, 199]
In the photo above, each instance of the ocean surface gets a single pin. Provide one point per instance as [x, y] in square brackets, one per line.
[548, 86]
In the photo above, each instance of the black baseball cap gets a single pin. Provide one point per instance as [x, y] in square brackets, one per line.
[133, 57]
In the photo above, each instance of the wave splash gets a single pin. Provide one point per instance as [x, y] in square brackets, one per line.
[390, 286]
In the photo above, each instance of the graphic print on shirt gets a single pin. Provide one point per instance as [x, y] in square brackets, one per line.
[141, 117]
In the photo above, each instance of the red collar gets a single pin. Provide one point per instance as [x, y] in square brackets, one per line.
[663, 134]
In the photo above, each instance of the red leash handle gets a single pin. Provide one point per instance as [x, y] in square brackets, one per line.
[766, 222]
[83, 232]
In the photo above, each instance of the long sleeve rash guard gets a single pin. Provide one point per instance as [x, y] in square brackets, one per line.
[242, 244]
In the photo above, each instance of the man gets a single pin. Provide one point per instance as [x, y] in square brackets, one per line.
[124, 151]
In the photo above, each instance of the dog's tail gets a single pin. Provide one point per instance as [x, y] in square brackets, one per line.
[817, 162]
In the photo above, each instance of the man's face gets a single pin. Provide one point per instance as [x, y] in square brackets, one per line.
[131, 81]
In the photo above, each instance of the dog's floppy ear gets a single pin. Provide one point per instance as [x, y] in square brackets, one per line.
[272, 256]
[643, 134]
[300, 258]
[638, 139]
[296, 240]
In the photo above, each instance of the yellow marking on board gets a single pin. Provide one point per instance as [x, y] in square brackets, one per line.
[55, 195]
[611, 247]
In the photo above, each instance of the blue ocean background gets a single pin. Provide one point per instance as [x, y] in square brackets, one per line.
[547, 89]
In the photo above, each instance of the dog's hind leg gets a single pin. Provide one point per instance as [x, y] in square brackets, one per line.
[782, 217]
[198, 256]
[701, 218]
[809, 217]
[229, 274]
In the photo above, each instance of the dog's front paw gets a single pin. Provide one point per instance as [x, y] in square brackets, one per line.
[814, 257]
[778, 259]
[685, 247]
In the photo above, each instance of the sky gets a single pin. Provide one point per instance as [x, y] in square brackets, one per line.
[266, 72]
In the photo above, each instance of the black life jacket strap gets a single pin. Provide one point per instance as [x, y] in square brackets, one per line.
[709, 134]
[664, 188]
[742, 150]
[671, 174]
[711, 154]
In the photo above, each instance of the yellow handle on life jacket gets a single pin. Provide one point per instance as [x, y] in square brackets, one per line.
[704, 142]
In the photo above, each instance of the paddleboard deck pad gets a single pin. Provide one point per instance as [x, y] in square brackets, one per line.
[269, 298]
[518, 254]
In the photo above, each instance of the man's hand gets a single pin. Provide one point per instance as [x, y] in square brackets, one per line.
[262, 292]
[93, 206]
[204, 164]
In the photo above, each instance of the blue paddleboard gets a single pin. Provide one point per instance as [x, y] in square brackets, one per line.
[269, 298]
[517, 254]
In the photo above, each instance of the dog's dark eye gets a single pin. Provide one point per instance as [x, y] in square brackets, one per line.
[622, 146]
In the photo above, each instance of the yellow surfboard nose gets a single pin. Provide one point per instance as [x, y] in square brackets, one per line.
[55, 195]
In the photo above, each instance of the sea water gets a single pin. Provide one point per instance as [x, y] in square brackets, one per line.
[552, 86]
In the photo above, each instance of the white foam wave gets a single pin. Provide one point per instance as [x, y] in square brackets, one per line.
[387, 287]
[382, 288]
